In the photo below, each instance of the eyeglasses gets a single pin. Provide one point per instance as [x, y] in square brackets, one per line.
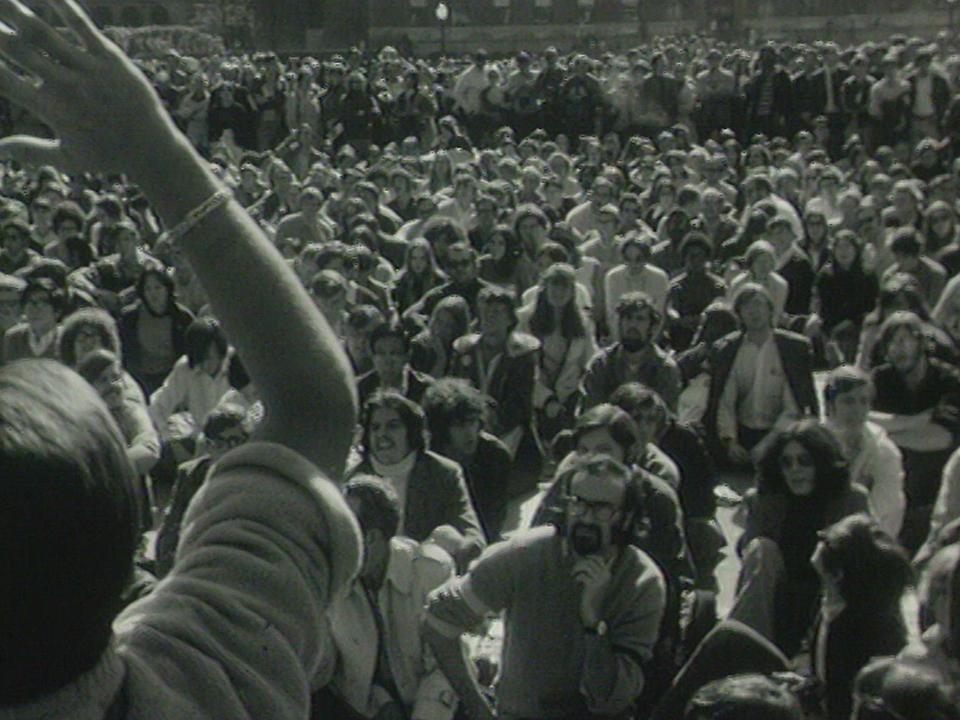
[802, 461]
[602, 511]
[460, 263]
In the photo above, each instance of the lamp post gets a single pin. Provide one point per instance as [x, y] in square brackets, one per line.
[443, 14]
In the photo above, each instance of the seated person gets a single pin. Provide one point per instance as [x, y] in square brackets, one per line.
[676, 447]
[383, 667]
[634, 357]
[874, 459]
[864, 574]
[889, 689]
[456, 414]
[803, 486]
[501, 362]
[208, 642]
[223, 430]
[101, 368]
[193, 388]
[43, 304]
[583, 608]
[918, 403]
[938, 650]
[390, 351]
[432, 491]
[761, 379]
[756, 697]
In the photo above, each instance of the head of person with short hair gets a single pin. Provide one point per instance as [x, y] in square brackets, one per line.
[595, 501]
[606, 429]
[70, 528]
[753, 306]
[461, 263]
[638, 321]
[328, 288]
[43, 303]
[392, 427]
[456, 413]
[744, 697]
[848, 395]
[635, 251]
[646, 408]
[696, 250]
[890, 689]
[205, 345]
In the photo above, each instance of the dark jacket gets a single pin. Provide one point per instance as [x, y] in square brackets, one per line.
[436, 495]
[796, 356]
[132, 350]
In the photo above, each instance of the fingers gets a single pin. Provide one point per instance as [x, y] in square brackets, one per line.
[32, 151]
[33, 44]
[80, 23]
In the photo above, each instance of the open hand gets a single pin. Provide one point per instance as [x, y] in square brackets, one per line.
[103, 111]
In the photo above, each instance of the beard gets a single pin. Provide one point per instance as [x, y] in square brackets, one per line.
[633, 344]
[586, 539]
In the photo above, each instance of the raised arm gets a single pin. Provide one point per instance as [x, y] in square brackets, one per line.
[107, 118]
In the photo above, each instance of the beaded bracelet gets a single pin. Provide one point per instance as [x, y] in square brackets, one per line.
[192, 218]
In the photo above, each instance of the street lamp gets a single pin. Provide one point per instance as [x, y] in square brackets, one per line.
[443, 14]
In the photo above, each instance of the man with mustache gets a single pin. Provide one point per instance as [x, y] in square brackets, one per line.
[635, 358]
[583, 607]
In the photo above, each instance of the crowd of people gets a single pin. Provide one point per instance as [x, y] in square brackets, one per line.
[606, 284]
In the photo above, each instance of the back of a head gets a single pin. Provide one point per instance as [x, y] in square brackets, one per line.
[744, 697]
[69, 527]
[889, 689]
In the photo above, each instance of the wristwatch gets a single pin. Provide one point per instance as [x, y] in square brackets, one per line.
[600, 629]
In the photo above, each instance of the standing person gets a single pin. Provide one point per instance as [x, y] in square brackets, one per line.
[72, 508]
[583, 608]
[768, 101]
[717, 95]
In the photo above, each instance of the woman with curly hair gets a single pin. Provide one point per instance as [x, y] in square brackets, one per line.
[803, 486]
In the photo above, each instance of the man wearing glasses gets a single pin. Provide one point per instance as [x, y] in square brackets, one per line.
[583, 608]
